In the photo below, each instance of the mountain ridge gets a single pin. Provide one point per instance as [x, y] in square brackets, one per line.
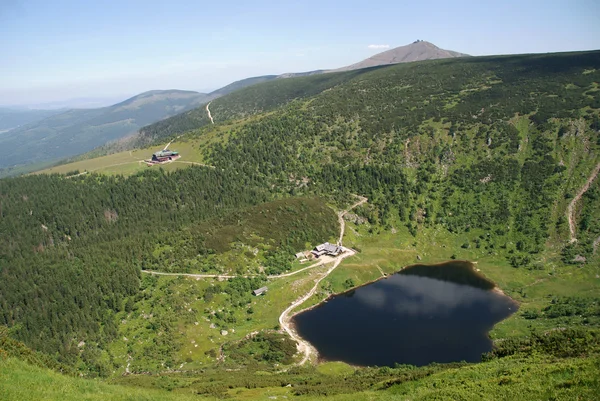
[11, 118]
[417, 51]
[77, 131]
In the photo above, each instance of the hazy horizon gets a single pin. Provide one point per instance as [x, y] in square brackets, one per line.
[70, 53]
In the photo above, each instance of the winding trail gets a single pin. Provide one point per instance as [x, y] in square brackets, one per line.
[226, 276]
[193, 275]
[76, 175]
[115, 165]
[341, 214]
[573, 204]
[194, 163]
[102, 167]
[137, 161]
[285, 318]
[208, 111]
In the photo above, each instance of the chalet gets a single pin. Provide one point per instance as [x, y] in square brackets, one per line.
[164, 155]
[327, 249]
[260, 291]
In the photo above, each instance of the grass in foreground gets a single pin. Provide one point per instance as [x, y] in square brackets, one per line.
[23, 382]
[533, 377]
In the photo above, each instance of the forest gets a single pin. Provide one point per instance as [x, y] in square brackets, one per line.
[72, 248]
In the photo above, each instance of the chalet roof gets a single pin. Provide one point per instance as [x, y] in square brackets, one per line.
[164, 153]
[327, 247]
[261, 290]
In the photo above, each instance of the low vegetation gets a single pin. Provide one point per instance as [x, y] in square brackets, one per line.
[528, 371]
[266, 347]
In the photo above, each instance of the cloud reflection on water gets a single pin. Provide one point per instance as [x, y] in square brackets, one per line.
[424, 295]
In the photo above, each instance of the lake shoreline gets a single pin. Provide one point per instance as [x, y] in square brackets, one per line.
[465, 273]
[477, 272]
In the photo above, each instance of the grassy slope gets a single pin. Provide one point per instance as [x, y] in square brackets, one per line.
[78, 130]
[195, 331]
[23, 382]
[130, 162]
[507, 379]
[512, 378]
[190, 146]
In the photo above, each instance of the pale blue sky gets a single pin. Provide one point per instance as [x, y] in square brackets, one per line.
[52, 50]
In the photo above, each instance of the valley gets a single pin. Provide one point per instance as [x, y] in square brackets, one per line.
[140, 278]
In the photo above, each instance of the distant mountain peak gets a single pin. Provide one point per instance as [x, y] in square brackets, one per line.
[418, 50]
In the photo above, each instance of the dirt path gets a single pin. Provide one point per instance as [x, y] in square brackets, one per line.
[76, 175]
[596, 243]
[536, 282]
[193, 275]
[194, 163]
[319, 263]
[115, 165]
[573, 204]
[100, 168]
[226, 276]
[138, 161]
[285, 318]
[208, 111]
[341, 217]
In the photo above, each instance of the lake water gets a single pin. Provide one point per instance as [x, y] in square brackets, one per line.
[422, 314]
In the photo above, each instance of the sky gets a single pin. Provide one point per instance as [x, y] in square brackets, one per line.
[74, 52]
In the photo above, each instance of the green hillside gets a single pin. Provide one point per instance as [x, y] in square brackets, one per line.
[246, 102]
[489, 159]
[72, 132]
[237, 85]
[492, 144]
[527, 375]
[25, 382]
[12, 118]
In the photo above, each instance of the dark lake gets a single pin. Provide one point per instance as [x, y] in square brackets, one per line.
[422, 314]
